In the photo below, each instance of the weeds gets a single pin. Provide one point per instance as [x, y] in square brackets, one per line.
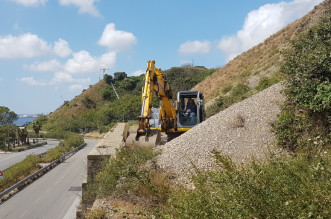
[266, 82]
[285, 188]
[238, 93]
[126, 177]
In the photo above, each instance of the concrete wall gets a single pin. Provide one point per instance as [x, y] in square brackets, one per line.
[105, 149]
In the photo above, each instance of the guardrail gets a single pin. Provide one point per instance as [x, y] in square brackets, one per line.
[41, 171]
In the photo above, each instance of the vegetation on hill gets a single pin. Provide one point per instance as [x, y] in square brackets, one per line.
[306, 117]
[259, 66]
[98, 107]
[294, 186]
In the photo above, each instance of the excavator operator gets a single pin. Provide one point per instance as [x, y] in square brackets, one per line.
[191, 108]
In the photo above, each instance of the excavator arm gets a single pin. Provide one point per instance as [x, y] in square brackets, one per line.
[155, 81]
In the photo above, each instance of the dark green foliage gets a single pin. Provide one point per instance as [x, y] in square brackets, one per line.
[108, 79]
[120, 76]
[306, 115]
[185, 78]
[109, 94]
[128, 84]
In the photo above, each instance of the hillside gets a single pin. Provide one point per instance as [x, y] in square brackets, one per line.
[263, 60]
[97, 107]
[234, 165]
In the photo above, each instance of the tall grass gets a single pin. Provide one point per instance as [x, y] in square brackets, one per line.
[19, 171]
[296, 187]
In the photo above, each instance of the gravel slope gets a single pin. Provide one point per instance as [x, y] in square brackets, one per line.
[241, 131]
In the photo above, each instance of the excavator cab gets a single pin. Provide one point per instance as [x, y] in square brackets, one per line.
[190, 109]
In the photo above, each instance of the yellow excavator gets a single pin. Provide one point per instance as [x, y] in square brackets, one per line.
[172, 118]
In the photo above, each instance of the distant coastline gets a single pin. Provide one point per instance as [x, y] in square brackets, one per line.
[24, 119]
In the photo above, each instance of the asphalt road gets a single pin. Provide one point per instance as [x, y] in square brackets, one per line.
[10, 158]
[55, 195]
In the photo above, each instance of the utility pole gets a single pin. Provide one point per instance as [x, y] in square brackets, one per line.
[103, 70]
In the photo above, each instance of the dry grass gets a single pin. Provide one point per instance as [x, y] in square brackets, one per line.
[238, 122]
[263, 59]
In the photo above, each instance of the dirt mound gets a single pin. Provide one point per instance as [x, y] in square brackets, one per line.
[242, 132]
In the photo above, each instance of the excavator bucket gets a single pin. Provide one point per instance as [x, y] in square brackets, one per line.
[152, 139]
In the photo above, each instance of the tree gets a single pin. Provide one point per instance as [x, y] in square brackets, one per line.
[128, 84]
[23, 134]
[7, 117]
[108, 79]
[36, 125]
[120, 76]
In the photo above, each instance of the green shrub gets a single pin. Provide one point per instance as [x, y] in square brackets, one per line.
[285, 188]
[307, 112]
[73, 140]
[108, 94]
[123, 176]
[266, 82]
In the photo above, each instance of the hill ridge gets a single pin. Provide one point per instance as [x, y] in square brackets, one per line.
[263, 59]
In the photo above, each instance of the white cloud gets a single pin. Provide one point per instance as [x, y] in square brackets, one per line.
[117, 40]
[195, 47]
[59, 78]
[24, 46]
[61, 48]
[138, 73]
[82, 62]
[29, 45]
[263, 22]
[85, 6]
[30, 2]
[108, 60]
[49, 66]
[76, 87]
[31, 81]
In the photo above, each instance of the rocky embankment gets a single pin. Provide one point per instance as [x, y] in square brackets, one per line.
[241, 132]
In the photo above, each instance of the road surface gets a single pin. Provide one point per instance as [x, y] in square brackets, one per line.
[53, 196]
[10, 158]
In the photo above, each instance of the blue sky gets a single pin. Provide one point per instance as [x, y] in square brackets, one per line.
[50, 50]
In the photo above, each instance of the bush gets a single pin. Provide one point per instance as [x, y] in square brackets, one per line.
[266, 82]
[108, 94]
[285, 188]
[73, 140]
[124, 177]
[307, 112]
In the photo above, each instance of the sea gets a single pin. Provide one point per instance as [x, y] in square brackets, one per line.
[24, 119]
